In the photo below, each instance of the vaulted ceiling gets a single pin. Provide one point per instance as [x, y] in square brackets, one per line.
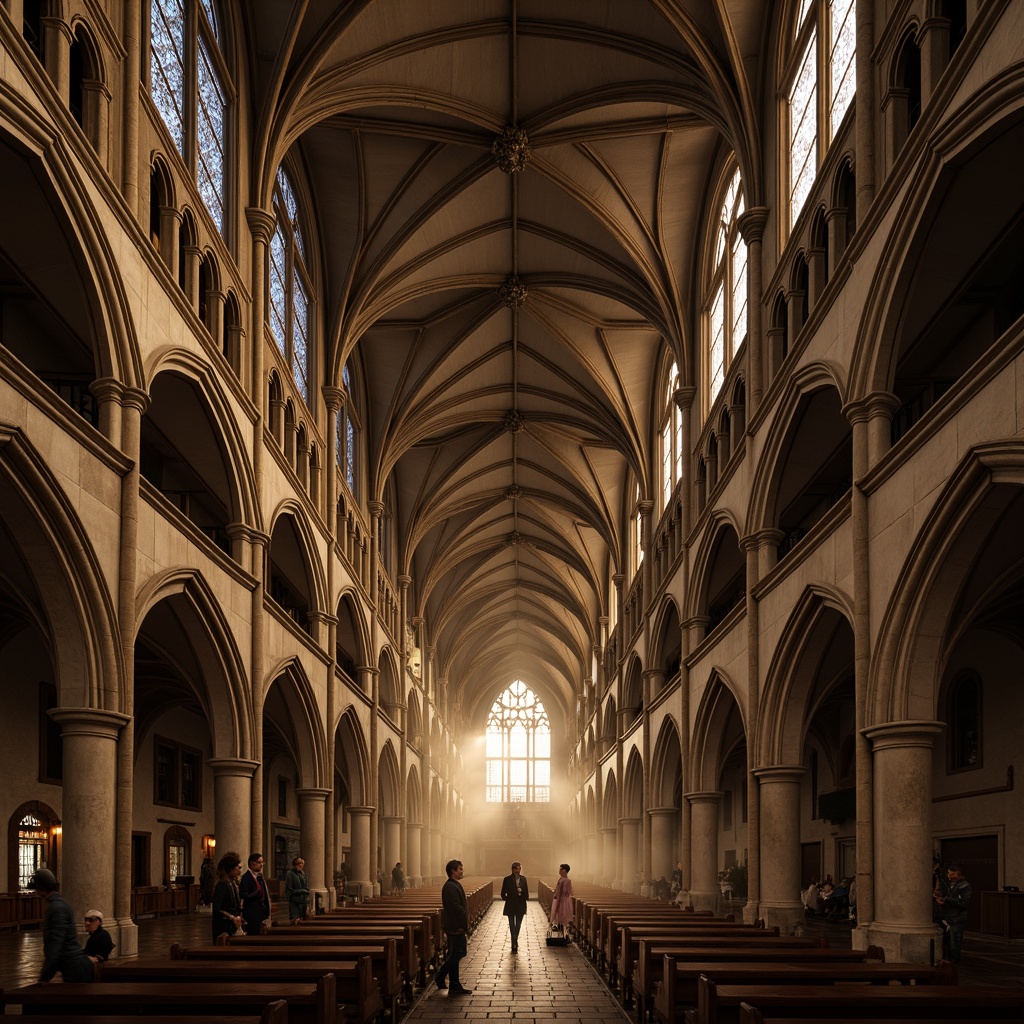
[509, 325]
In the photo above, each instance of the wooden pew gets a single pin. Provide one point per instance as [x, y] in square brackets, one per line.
[752, 1015]
[613, 925]
[786, 949]
[274, 1013]
[684, 985]
[720, 1004]
[355, 987]
[421, 931]
[308, 1002]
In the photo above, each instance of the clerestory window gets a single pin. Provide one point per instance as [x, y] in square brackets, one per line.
[671, 438]
[189, 85]
[518, 748]
[822, 82]
[290, 286]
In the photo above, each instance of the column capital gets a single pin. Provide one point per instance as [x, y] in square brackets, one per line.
[334, 398]
[361, 812]
[239, 766]
[110, 389]
[89, 722]
[704, 797]
[262, 223]
[662, 812]
[378, 510]
[313, 792]
[878, 403]
[752, 223]
[910, 733]
[780, 773]
[683, 397]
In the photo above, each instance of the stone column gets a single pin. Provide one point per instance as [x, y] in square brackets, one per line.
[902, 756]
[780, 902]
[663, 831]
[57, 40]
[630, 854]
[130, 107]
[312, 811]
[704, 890]
[751, 225]
[866, 112]
[414, 841]
[391, 845]
[359, 856]
[89, 805]
[608, 855]
[436, 867]
[232, 803]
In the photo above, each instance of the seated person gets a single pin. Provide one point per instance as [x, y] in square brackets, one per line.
[812, 897]
[99, 944]
[838, 902]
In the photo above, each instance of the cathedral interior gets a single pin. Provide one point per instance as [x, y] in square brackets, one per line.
[553, 430]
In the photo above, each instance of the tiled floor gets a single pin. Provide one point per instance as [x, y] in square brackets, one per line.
[541, 983]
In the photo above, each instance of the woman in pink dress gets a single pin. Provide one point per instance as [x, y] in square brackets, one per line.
[561, 903]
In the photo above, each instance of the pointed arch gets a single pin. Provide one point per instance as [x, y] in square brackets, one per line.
[666, 766]
[308, 741]
[352, 757]
[389, 781]
[719, 718]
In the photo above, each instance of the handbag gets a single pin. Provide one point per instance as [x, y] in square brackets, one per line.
[554, 938]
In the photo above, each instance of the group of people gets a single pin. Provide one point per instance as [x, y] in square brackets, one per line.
[831, 899]
[242, 901]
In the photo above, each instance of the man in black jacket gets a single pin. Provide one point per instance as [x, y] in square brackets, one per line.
[455, 922]
[62, 952]
[515, 893]
[255, 896]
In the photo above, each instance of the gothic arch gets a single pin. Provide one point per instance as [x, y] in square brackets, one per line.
[198, 612]
[934, 586]
[351, 757]
[787, 698]
[990, 112]
[307, 744]
[720, 716]
[389, 781]
[666, 766]
[60, 566]
[413, 795]
[313, 566]
[803, 383]
[610, 799]
[719, 523]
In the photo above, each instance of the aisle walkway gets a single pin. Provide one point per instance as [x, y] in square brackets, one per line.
[540, 984]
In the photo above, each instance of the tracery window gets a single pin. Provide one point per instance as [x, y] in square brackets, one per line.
[347, 445]
[290, 286]
[822, 84]
[637, 530]
[671, 438]
[727, 293]
[33, 842]
[518, 744]
[188, 83]
[965, 724]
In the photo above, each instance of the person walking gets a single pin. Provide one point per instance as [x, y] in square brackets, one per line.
[98, 943]
[953, 912]
[255, 895]
[62, 953]
[226, 903]
[455, 921]
[296, 890]
[515, 892]
[561, 902]
[397, 880]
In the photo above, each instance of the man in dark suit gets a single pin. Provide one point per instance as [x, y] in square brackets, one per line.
[455, 922]
[515, 893]
[254, 894]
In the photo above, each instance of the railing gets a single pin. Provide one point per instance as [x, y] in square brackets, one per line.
[20, 910]
[75, 391]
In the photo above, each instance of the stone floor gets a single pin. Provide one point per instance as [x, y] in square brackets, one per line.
[541, 984]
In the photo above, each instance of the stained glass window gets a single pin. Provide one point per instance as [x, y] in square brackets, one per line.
[518, 748]
[803, 131]
[842, 60]
[200, 139]
[289, 306]
[671, 437]
[727, 302]
[349, 452]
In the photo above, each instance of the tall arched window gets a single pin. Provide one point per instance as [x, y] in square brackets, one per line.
[348, 434]
[822, 81]
[637, 531]
[289, 286]
[965, 724]
[671, 438]
[518, 748]
[188, 83]
[727, 292]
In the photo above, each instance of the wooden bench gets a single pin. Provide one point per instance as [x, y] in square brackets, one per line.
[613, 926]
[684, 985]
[786, 949]
[274, 1013]
[720, 1004]
[356, 990]
[752, 1015]
[308, 1002]
[419, 934]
